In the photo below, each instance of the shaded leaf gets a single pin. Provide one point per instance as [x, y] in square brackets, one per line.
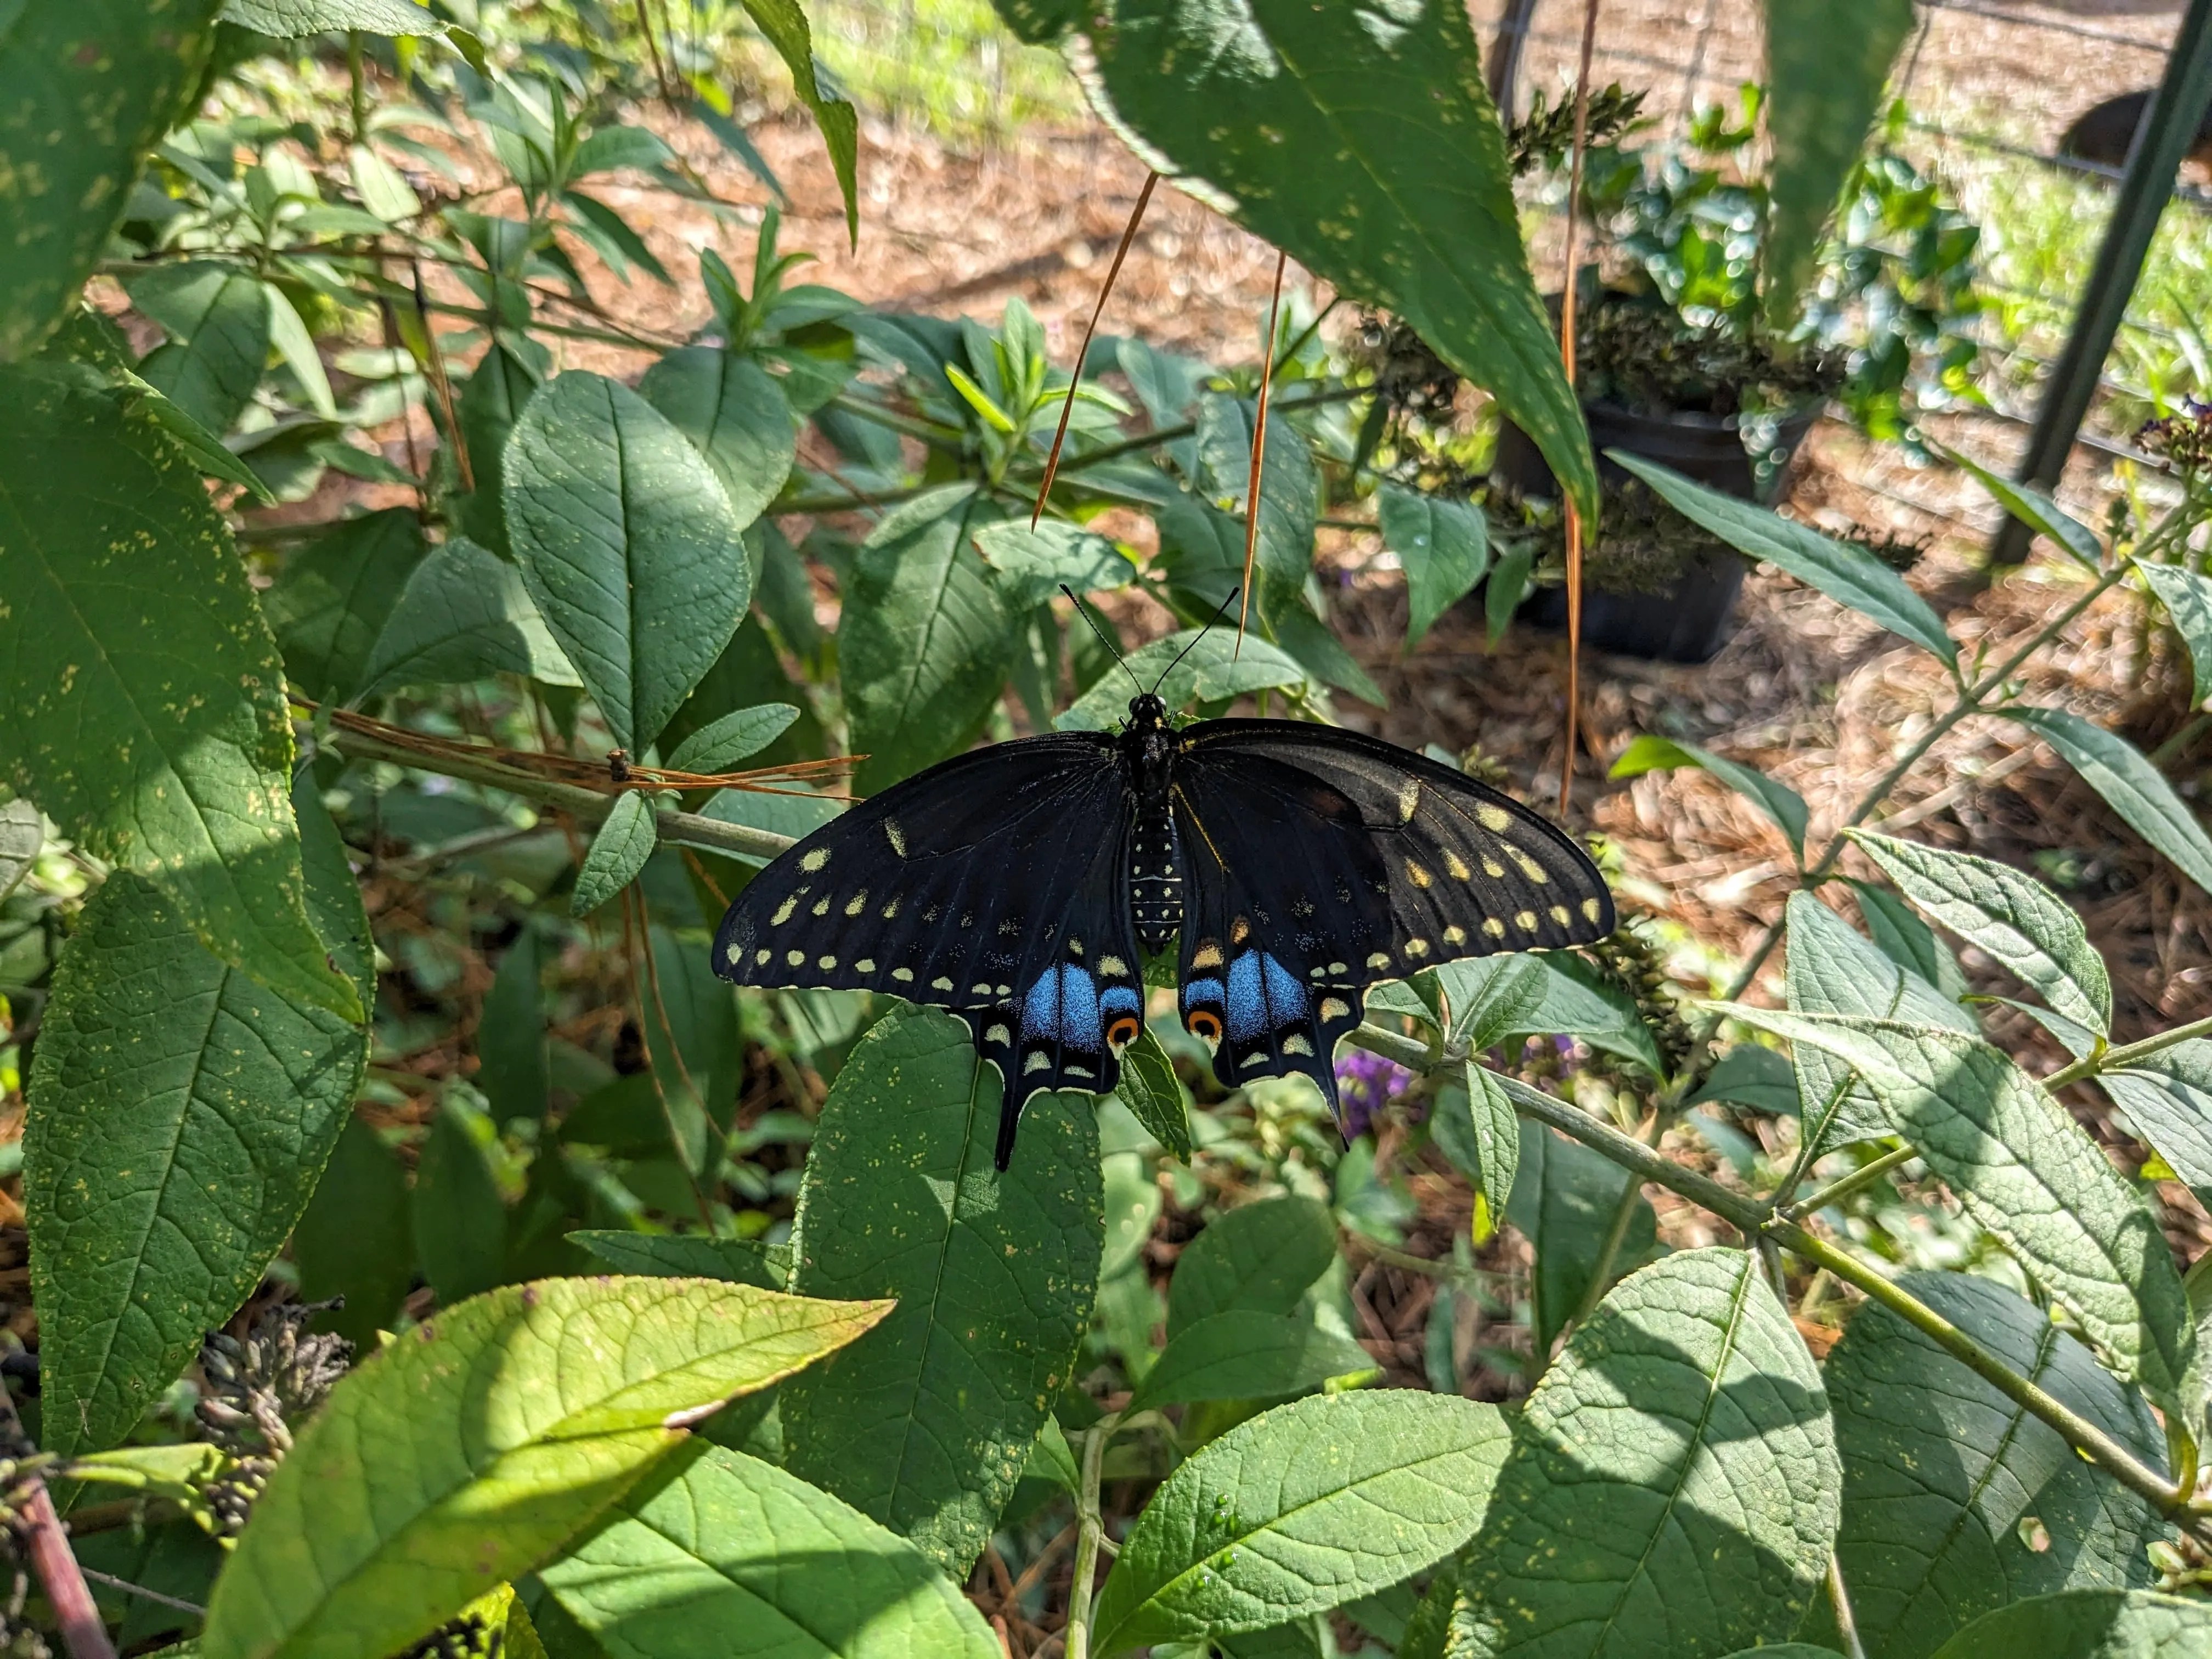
[496, 1434]
[1749, 1075]
[149, 719]
[718, 745]
[1845, 572]
[1562, 1201]
[1442, 545]
[1674, 1486]
[459, 1216]
[1289, 484]
[217, 319]
[2187, 596]
[1153, 1092]
[2011, 917]
[498, 389]
[1035, 562]
[737, 414]
[1900, 935]
[330, 605]
[628, 547]
[2088, 1624]
[1299, 1510]
[687, 1255]
[512, 1066]
[2131, 785]
[925, 1432]
[1262, 1256]
[463, 615]
[728, 1555]
[357, 1238]
[618, 851]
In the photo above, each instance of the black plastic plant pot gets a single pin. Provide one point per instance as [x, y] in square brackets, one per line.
[1690, 619]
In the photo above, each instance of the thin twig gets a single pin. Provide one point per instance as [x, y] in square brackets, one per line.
[1075, 379]
[1258, 451]
[2127, 1053]
[1567, 323]
[142, 1592]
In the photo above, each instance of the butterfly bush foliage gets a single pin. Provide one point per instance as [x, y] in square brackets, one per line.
[429, 1254]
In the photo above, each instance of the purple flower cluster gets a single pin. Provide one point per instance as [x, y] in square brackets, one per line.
[2185, 438]
[1366, 1083]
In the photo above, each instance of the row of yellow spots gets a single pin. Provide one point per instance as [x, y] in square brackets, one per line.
[826, 963]
[1456, 868]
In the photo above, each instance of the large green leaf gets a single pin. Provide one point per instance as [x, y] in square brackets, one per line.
[2088, 1625]
[462, 615]
[85, 91]
[1563, 1199]
[1262, 1256]
[1958, 1500]
[627, 545]
[927, 1424]
[1442, 545]
[180, 1114]
[1362, 141]
[1300, 1510]
[735, 412]
[1035, 562]
[928, 637]
[2011, 917]
[1833, 969]
[729, 1557]
[1246, 1353]
[2131, 785]
[2025, 1170]
[330, 605]
[470, 1450]
[217, 319]
[145, 700]
[356, 1239]
[1845, 571]
[1825, 68]
[1673, 1486]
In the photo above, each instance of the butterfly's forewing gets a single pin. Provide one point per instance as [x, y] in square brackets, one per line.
[995, 885]
[1317, 861]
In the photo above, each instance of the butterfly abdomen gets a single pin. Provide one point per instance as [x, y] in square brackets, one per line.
[1155, 880]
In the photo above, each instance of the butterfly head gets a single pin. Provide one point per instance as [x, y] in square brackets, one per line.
[1147, 712]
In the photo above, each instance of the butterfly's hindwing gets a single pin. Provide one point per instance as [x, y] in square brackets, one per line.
[1318, 861]
[994, 885]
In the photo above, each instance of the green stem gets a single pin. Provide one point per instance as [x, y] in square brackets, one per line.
[2180, 741]
[678, 828]
[356, 83]
[1091, 1528]
[2111, 1059]
[1839, 1598]
[1865, 1176]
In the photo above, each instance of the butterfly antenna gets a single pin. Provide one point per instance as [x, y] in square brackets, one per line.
[1218, 612]
[1066, 408]
[1105, 638]
[1259, 450]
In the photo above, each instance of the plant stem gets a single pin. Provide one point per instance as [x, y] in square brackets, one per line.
[1091, 1528]
[2127, 1053]
[356, 86]
[678, 828]
[83, 1631]
[1839, 1598]
[1865, 1176]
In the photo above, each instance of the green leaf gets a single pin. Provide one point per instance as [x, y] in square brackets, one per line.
[1299, 1510]
[1214, 671]
[1900, 935]
[180, 1115]
[201, 447]
[291, 19]
[463, 615]
[685, 1256]
[22, 833]
[1033, 563]
[1957, 1499]
[2168, 1102]
[1328, 130]
[1248, 1354]
[785, 26]
[728, 1555]
[498, 390]
[330, 605]
[618, 851]
[358, 1238]
[1260, 1256]
[383, 189]
[460, 1217]
[2037, 511]
[2032, 1176]
[1442, 545]
[493, 1435]
[734, 412]
[628, 546]
[1845, 572]
[1749, 1075]
[1826, 68]
[1784, 804]
[2131, 785]
[1152, 1092]
[2011, 917]
[1507, 587]
[1674, 1486]
[288, 333]
[718, 745]
[1290, 484]
[2187, 596]
[928, 637]
[1579, 1002]
[690, 1021]
[1492, 1160]
[1564, 1199]
[146, 714]
[511, 1064]
[217, 319]
[924, 1430]
[2085, 1624]
[87, 91]
[1832, 970]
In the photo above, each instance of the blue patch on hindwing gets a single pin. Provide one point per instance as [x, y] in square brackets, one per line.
[1063, 1007]
[1120, 1000]
[1201, 993]
[1262, 997]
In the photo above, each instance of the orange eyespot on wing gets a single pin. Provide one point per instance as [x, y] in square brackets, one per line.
[1122, 1032]
[1204, 1025]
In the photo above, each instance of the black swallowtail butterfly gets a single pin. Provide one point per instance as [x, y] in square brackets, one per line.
[1016, 885]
